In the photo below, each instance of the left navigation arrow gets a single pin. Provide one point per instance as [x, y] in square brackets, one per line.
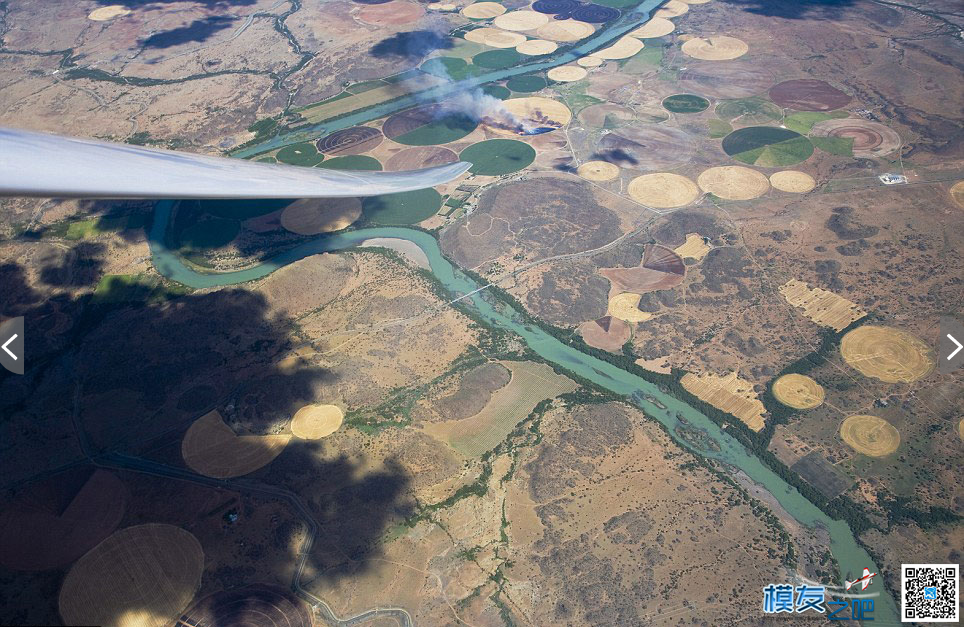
[12, 345]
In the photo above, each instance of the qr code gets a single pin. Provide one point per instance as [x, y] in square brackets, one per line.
[929, 593]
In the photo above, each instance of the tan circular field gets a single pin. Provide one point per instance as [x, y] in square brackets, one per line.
[483, 10]
[142, 576]
[537, 109]
[673, 8]
[313, 422]
[445, 7]
[212, 448]
[598, 171]
[311, 216]
[537, 47]
[957, 193]
[798, 391]
[625, 306]
[960, 429]
[663, 190]
[521, 20]
[108, 13]
[494, 37]
[623, 49]
[792, 181]
[715, 48]
[870, 435]
[733, 182]
[567, 73]
[656, 27]
[590, 61]
[565, 30]
[888, 354]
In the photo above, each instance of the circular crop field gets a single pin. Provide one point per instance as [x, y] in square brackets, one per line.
[209, 233]
[497, 91]
[663, 190]
[656, 27]
[313, 422]
[537, 47]
[498, 59]
[650, 147]
[625, 306]
[798, 391]
[498, 156]
[624, 48]
[598, 171]
[49, 525]
[526, 83]
[428, 125]
[749, 111]
[792, 181]
[808, 94]
[608, 333]
[150, 572]
[673, 8]
[715, 48]
[352, 162]
[685, 103]
[554, 7]
[605, 115]
[521, 20]
[483, 10]
[104, 14]
[960, 429]
[565, 30]
[726, 80]
[391, 13]
[494, 37]
[733, 182]
[420, 157]
[888, 354]
[870, 139]
[311, 216]
[213, 449]
[350, 141]
[403, 207]
[594, 14]
[767, 146]
[589, 62]
[957, 193]
[300, 154]
[254, 605]
[567, 73]
[537, 112]
[870, 435]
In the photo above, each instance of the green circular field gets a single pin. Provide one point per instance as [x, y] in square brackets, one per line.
[448, 67]
[749, 111]
[352, 162]
[526, 83]
[210, 233]
[767, 146]
[428, 126]
[300, 154]
[497, 59]
[496, 91]
[685, 103]
[498, 156]
[402, 208]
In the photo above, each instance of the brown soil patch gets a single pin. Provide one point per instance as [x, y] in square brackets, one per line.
[798, 391]
[888, 354]
[608, 333]
[313, 422]
[871, 139]
[108, 13]
[733, 182]
[823, 307]
[792, 181]
[257, 605]
[661, 269]
[53, 522]
[598, 171]
[140, 576]
[483, 10]
[391, 13]
[311, 216]
[656, 27]
[726, 80]
[663, 190]
[694, 247]
[720, 48]
[623, 49]
[350, 141]
[565, 30]
[521, 20]
[870, 435]
[727, 393]
[495, 37]
[625, 306]
[535, 47]
[212, 448]
[420, 157]
[808, 94]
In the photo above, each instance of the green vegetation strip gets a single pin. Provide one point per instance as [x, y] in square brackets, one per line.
[498, 156]
[685, 103]
[803, 121]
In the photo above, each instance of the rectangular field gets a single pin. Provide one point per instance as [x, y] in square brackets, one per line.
[823, 307]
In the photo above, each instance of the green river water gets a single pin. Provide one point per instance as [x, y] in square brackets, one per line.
[843, 545]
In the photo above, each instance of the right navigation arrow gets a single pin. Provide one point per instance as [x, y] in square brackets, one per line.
[951, 349]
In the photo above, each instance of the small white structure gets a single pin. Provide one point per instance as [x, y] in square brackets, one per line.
[892, 179]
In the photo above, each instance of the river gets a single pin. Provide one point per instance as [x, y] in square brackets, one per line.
[666, 408]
